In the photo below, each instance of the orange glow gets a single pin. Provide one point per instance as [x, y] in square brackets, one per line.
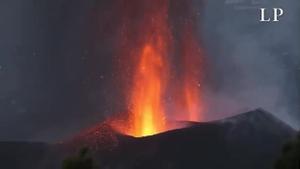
[147, 43]
[150, 73]
[192, 103]
[191, 58]
[187, 86]
[147, 109]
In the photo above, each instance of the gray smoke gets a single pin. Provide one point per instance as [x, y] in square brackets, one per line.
[254, 64]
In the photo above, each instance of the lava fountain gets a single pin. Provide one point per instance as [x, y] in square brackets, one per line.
[147, 114]
[188, 89]
[148, 43]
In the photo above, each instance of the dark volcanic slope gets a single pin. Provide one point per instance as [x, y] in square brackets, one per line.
[250, 140]
[247, 141]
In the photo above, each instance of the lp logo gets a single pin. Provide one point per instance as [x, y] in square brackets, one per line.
[277, 12]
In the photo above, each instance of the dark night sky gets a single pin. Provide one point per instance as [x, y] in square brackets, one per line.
[57, 72]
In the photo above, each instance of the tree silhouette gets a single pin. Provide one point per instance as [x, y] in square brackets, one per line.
[290, 156]
[81, 161]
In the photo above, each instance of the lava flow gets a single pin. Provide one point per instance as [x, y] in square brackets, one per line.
[148, 43]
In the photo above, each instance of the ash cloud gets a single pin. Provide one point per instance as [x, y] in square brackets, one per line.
[253, 64]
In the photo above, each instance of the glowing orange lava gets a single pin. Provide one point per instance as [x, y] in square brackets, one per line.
[147, 44]
[150, 72]
[148, 114]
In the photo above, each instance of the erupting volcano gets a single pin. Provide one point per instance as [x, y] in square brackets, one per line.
[149, 45]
